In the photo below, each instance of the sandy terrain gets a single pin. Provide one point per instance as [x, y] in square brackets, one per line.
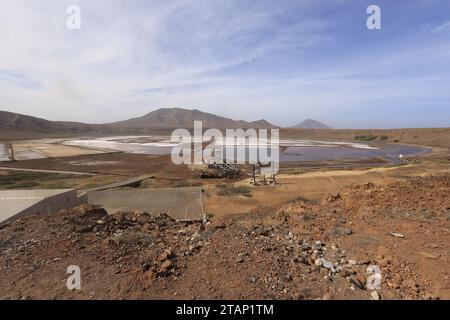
[313, 186]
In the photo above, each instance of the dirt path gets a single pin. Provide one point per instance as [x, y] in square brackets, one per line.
[47, 171]
[118, 184]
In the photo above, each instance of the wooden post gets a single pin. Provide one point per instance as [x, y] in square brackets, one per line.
[254, 174]
[11, 156]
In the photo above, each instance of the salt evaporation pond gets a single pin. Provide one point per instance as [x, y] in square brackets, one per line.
[290, 151]
[387, 151]
[4, 152]
[126, 144]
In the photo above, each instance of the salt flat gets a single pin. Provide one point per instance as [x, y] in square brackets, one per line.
[4, 153]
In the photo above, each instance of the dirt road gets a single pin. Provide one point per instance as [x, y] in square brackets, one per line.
[46, 171]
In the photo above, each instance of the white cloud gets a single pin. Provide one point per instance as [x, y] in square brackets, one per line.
[133, 56]
[445, 27]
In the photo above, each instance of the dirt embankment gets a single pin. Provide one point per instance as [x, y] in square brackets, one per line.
[433, 137]
[119, 164]
[305, 250]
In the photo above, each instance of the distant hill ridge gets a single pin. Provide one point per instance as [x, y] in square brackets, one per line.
[183, 118]
[165, 118]
[15, 122]
[311, 124]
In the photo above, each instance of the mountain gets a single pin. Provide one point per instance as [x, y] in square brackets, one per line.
[153, 122]
[14, 122]
[172, 118]
[311, 124]
[263, 124]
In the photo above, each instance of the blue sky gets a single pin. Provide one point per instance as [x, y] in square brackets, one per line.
[284, 61]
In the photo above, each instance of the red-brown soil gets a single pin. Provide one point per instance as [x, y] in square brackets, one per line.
[267, 253]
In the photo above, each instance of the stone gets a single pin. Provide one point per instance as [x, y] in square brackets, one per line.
[430, 296]
[340, 231]
[358, 284]
[428, 255]
[332, 198]
[344, 273]
[302, 259]
[167, 254]
[428, 214]
[329, 265]
[165, 266]
[397, 235]
[318, 262]
[327, 296]
[323, 272]
[375, 295]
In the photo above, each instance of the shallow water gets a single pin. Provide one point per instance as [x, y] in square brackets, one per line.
[114, 144]
[386, 151]
[295, 150]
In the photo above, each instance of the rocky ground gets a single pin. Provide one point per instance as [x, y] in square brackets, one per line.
[301, 250]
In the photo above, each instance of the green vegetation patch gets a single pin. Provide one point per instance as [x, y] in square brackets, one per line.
[35, 180]
[371, 137]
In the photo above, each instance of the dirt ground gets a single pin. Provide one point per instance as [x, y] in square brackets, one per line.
[120, 164]
[40, 180]
[300, 250]
[313, 185]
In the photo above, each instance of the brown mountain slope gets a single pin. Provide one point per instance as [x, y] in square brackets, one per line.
[14, 122]
[183, 118]
[166, 118]
[161, 121]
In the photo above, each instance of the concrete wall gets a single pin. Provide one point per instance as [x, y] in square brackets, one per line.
[179, 203]
[50, 204]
